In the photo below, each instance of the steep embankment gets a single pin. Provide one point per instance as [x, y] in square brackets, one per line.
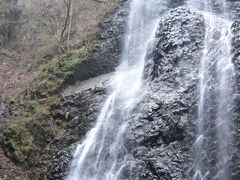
[28, 40]
[33, 121]
[45, 124]
[8, 170]
[163, 127]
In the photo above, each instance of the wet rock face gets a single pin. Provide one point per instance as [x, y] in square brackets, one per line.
[235, 164]
[178, 39]
[236, 45]
[163, 132]
[107, 53]
[82, 108]
[162, 129]
[233, 8]
[81, 111]
[175, 3]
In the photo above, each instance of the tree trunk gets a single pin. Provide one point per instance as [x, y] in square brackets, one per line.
[69, 28]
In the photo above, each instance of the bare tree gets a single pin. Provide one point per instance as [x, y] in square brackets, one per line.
[69, 27]
[68, 4]
[60, 21]
[8, 18]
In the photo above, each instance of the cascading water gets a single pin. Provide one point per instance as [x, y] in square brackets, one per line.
[103, 154]
[214, 139]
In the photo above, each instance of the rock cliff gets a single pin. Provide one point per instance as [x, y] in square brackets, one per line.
[163, 129]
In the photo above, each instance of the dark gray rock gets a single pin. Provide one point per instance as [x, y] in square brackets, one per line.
[233, 9]
[106, 55]
[163, 132]
[236, 45]
[163, 127]
[82, 110]
[81, 106]
[235, 162]
[175, 3]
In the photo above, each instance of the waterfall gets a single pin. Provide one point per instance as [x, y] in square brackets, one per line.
[103, 154]
[214, 134]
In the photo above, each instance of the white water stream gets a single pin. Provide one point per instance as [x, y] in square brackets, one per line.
[103, 155]
[213, 143]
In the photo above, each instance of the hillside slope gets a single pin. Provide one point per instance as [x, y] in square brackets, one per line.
[27, 41]
[32, 80]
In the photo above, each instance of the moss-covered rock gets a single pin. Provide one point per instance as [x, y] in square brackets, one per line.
[40, 121]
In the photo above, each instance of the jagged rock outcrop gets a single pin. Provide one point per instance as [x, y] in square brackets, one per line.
[108, 50]
[236, 45]
[81, 110]
[163, 128]
[158, 131]
[233, 7]
[163, 132]
[235, 163]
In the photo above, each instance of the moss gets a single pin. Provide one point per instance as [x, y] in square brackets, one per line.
[67, 115]
[31, 127]
[20, 139]
[54, 77]
[63, 131]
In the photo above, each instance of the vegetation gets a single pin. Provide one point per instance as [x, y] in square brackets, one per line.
[59, 23]
[32, 125]
[54, 77]
[9, 14]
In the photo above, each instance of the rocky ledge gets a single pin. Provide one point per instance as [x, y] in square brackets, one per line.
[81, 108]
[162, 131]
[159, 141]
[162, 134]
[45, 126]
